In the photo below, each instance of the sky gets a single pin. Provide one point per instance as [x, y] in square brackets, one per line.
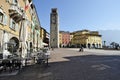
[80, 14]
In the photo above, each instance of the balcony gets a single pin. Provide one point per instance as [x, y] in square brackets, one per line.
[16, 12]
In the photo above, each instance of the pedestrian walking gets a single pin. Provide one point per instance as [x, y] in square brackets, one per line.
[81, 49]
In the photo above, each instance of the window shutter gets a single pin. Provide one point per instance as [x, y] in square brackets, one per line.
[14, 2]
[38, 32]
[10, 23]
[33, 25]
[5, 19]
[16, 28]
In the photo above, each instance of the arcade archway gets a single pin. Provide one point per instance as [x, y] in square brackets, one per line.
[13, 44]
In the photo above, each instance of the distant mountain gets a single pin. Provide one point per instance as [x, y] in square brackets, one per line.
[110, 36]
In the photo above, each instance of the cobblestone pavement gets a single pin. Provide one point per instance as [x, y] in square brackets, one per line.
[69, 64]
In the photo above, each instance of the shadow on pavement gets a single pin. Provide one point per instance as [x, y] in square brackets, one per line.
[89, 67]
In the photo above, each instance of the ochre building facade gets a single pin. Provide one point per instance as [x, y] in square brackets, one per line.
[20, 26]
[87, 39]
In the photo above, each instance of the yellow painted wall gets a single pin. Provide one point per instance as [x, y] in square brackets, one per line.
[60, 38]
[84, 37]
[5, 7]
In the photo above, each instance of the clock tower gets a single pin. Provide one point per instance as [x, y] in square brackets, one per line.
[54, 28]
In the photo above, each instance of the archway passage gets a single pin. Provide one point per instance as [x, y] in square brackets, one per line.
[13, 44]
[89, 46]
[93, 45]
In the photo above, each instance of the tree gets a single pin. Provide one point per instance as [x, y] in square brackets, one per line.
[114, 45]
[104, 43]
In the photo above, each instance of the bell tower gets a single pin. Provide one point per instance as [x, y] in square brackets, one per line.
[54, 28]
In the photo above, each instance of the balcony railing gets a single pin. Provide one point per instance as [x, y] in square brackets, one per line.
[16, 12]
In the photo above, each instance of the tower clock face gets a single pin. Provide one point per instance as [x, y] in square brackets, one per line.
[53, 19]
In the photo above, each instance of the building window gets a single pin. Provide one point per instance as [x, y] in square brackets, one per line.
[1, 17]
[12, 24]
[15, 1]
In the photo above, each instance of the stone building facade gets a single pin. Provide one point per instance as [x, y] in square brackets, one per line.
[54, 28]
